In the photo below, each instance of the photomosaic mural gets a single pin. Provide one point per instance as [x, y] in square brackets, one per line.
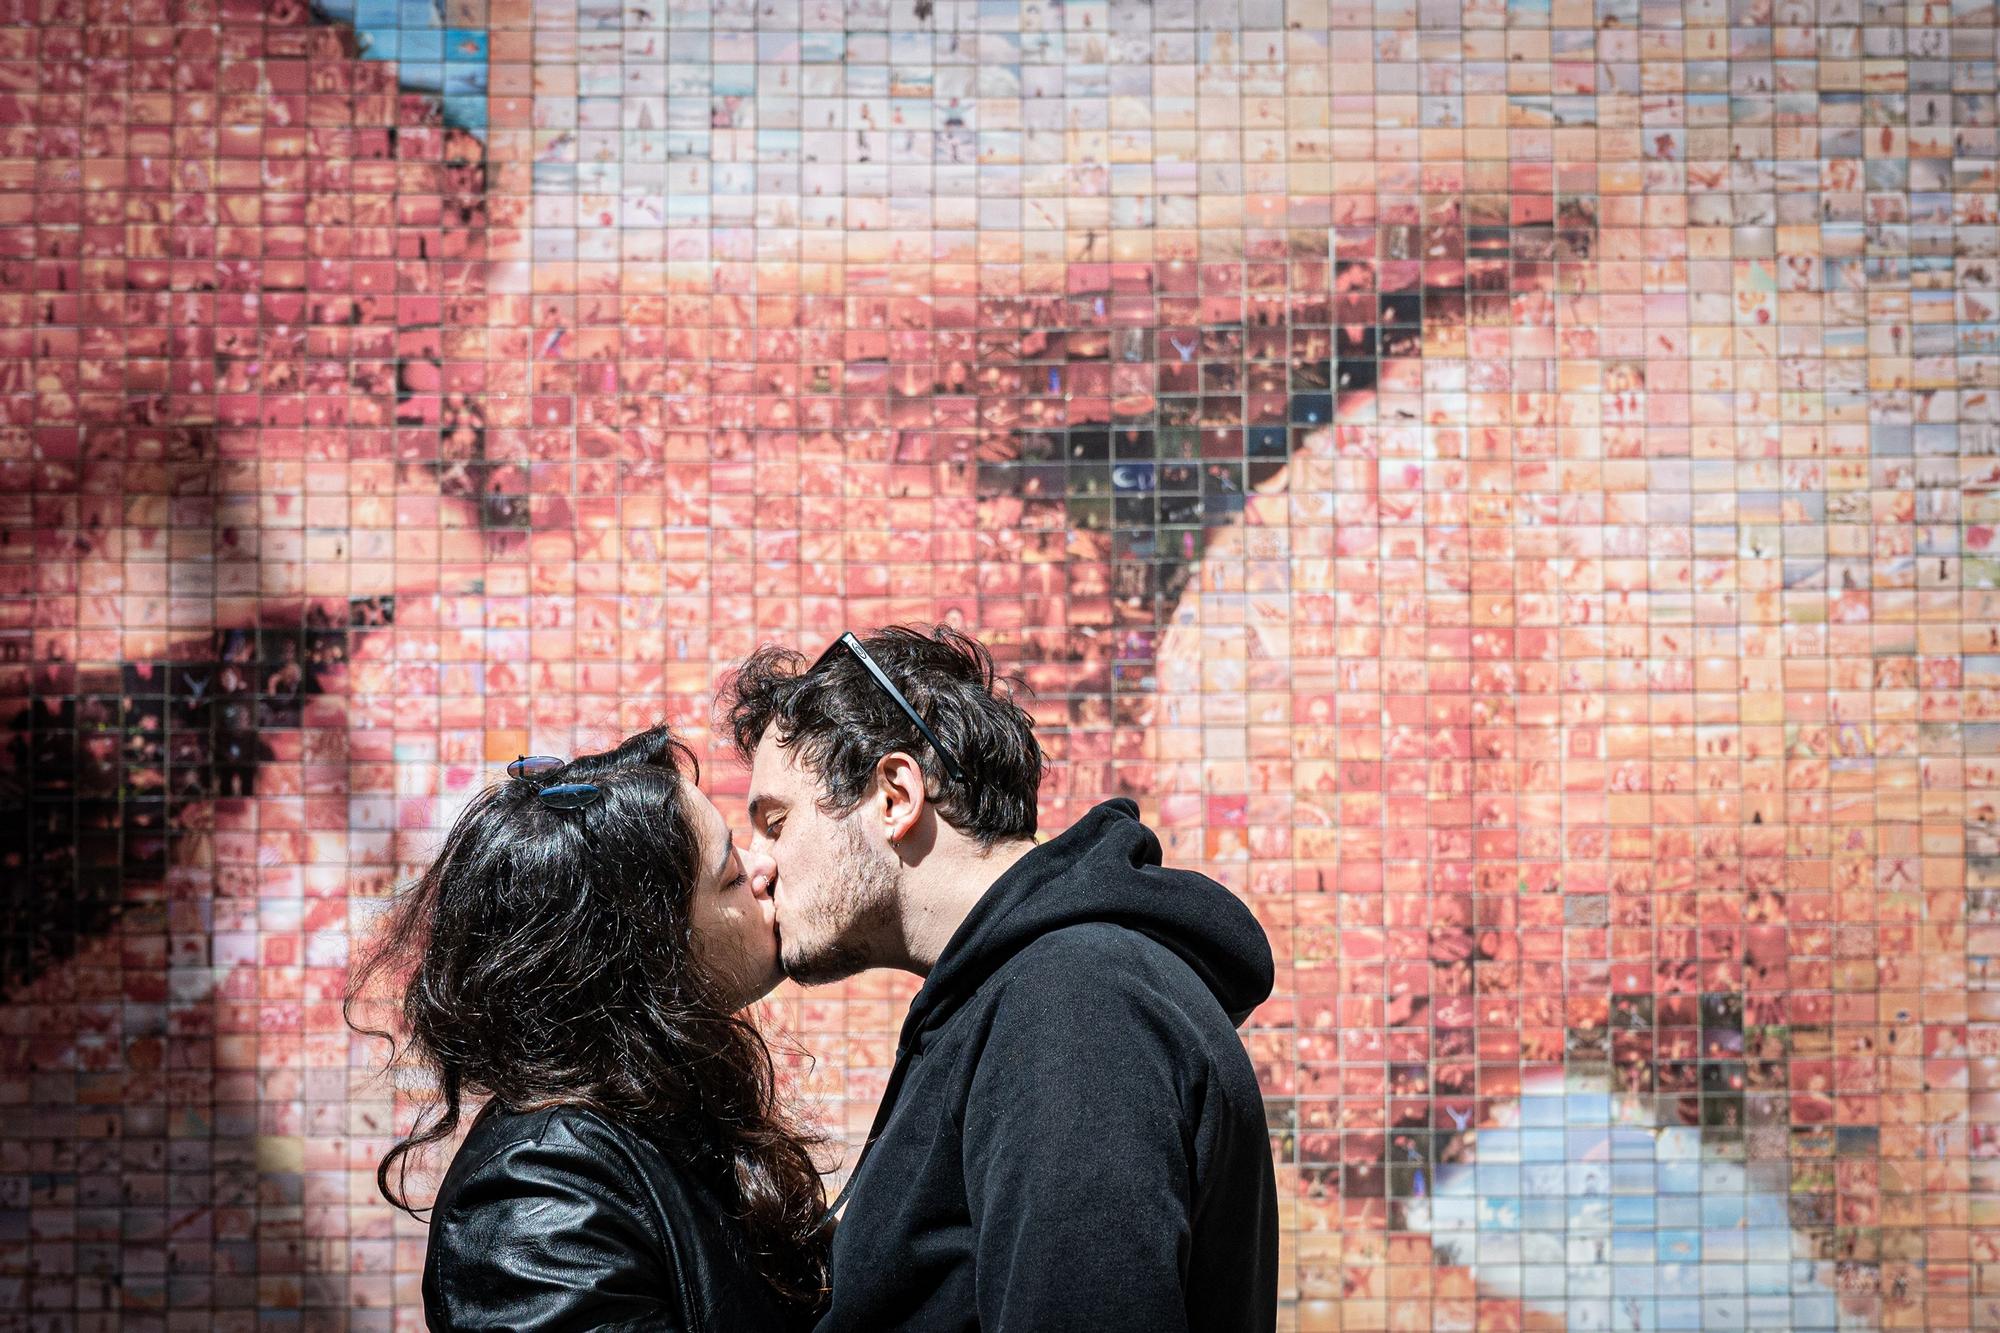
[1510, 489]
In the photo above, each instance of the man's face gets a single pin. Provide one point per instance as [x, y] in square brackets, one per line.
[834, 885]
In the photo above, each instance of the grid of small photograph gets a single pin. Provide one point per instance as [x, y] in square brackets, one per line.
[1509, 486]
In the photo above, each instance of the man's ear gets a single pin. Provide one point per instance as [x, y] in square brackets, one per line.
[899, 794]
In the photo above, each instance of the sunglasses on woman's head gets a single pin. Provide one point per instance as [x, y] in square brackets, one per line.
[881, 678]
[556, 795]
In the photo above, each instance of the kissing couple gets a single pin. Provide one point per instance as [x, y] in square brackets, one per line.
[1072, 1136]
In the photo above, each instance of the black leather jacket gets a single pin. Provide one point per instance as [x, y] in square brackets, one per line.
[564, 1219]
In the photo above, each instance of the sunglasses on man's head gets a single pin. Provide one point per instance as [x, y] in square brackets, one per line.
[853, 645]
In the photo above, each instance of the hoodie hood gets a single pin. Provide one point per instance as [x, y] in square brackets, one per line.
[1104, 868]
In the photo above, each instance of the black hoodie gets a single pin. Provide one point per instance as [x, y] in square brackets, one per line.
[1072, 1137]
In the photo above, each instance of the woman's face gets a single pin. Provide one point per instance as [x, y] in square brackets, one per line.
[734, 929]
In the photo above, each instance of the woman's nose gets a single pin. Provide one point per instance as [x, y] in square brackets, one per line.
[763, 872]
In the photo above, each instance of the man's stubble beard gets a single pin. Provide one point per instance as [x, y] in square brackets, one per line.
[858, 907]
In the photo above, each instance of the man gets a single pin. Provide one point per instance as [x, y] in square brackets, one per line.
[1072, 1135]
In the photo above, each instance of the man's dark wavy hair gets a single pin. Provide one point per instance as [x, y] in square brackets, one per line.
[548, 961]
[842, 724]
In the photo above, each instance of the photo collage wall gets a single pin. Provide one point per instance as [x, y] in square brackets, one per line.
[1510, 487]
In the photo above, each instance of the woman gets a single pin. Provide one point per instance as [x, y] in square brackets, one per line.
[579, 955]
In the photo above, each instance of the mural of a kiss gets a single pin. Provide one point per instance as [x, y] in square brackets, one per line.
[1509, 488]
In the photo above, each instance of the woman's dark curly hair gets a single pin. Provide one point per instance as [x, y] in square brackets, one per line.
[549, 961]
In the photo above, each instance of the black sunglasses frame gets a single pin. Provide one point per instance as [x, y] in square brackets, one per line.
[881, 678]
